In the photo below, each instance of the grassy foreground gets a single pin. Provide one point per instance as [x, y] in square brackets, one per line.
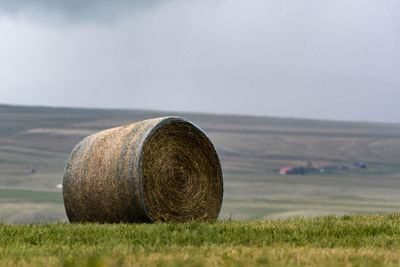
[327, 241]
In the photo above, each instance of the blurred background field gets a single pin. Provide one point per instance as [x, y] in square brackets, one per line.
[35, 143]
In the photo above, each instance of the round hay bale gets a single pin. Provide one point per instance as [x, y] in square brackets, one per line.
[163, 169]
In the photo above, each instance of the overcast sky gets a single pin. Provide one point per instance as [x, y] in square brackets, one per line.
[336, 59]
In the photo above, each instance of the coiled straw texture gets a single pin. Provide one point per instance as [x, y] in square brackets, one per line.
[163, 169]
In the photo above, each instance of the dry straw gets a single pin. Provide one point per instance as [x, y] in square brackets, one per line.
[163, 169]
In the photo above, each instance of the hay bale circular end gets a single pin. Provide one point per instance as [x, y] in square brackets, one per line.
[181, 174]
[163, 169]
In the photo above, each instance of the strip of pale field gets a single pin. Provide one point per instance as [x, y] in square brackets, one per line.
[60, 132]
[31, 212]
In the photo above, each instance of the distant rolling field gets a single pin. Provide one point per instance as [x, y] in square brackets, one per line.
[251, 149]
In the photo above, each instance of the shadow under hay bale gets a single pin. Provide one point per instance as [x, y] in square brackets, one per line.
[163, 169]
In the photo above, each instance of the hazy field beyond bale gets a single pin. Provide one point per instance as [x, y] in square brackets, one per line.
[163, 169]
[251, 149]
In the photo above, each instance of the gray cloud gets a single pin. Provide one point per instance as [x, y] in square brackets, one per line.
[316, 59]
[74, 11]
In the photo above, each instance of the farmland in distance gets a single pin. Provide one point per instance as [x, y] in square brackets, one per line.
[35, 143]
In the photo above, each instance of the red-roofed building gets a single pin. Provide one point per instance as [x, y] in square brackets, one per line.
[286, 170]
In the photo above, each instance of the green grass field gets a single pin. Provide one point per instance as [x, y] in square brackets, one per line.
[328, 241]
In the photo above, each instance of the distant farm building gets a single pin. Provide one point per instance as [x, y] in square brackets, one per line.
[309, 168]
[286, 170]
[31, 171]
[360, 165]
